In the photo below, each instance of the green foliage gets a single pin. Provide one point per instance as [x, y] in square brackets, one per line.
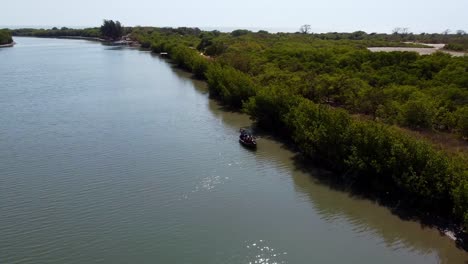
[271, 105]
[462, 120]
[455, 72]
[230, 85]
[111, 30]
[444, 120]
[199, 67]
[454, 46]
[320, 132]
[418, 112]
[371, 154]
[5, 37]
[460, 194]
[365, 152]
[206, 41]
[182, 56]
[240, 32]
[216, 48]
[360, 81]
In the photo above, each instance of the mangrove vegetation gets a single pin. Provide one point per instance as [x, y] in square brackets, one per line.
[342, 105]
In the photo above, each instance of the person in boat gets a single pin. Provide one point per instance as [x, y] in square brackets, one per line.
[246, 136]
[243, 135]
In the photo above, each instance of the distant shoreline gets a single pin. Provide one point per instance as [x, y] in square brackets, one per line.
[119, 42]
[79, 37]
[65, 37]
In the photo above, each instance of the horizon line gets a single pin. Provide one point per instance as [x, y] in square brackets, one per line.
[227, 29]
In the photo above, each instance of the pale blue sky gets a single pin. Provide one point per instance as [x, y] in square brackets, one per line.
[327, 15]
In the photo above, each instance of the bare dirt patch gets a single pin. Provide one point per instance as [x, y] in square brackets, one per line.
[422, 51]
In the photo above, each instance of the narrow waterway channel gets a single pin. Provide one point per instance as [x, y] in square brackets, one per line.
[111, 155]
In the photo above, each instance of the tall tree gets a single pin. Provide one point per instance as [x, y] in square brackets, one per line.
[305, 29]
[111, 30]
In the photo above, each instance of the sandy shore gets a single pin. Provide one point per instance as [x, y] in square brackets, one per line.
[423, 51]
[78, 37]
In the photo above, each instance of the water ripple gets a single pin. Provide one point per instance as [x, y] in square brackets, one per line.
[260, 252]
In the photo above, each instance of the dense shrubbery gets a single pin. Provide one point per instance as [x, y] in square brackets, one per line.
[232, 86]
[5, 37]
[367, 153]
[455, 47]
[403, 88]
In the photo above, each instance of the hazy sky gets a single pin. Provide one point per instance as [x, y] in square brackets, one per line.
[326, 15]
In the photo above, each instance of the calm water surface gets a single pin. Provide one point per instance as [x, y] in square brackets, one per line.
[110, 155]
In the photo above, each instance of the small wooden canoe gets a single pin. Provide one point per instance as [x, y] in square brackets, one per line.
[247, 139]
[248, 143]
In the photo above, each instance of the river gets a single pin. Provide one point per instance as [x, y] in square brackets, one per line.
[112, 155]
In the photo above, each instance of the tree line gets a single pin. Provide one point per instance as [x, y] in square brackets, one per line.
[57, 32]
[109, 30]
[455, 40]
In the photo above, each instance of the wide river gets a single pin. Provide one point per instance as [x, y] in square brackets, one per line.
[111, 155]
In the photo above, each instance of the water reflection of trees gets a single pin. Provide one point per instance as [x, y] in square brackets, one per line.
[334, 202]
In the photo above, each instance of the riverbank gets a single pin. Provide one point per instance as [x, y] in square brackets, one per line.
[6, 39]
[8, 45]
[105, 41]
[78, 37]
[378, 158]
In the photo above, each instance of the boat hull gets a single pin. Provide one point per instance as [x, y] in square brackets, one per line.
[251, 145]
